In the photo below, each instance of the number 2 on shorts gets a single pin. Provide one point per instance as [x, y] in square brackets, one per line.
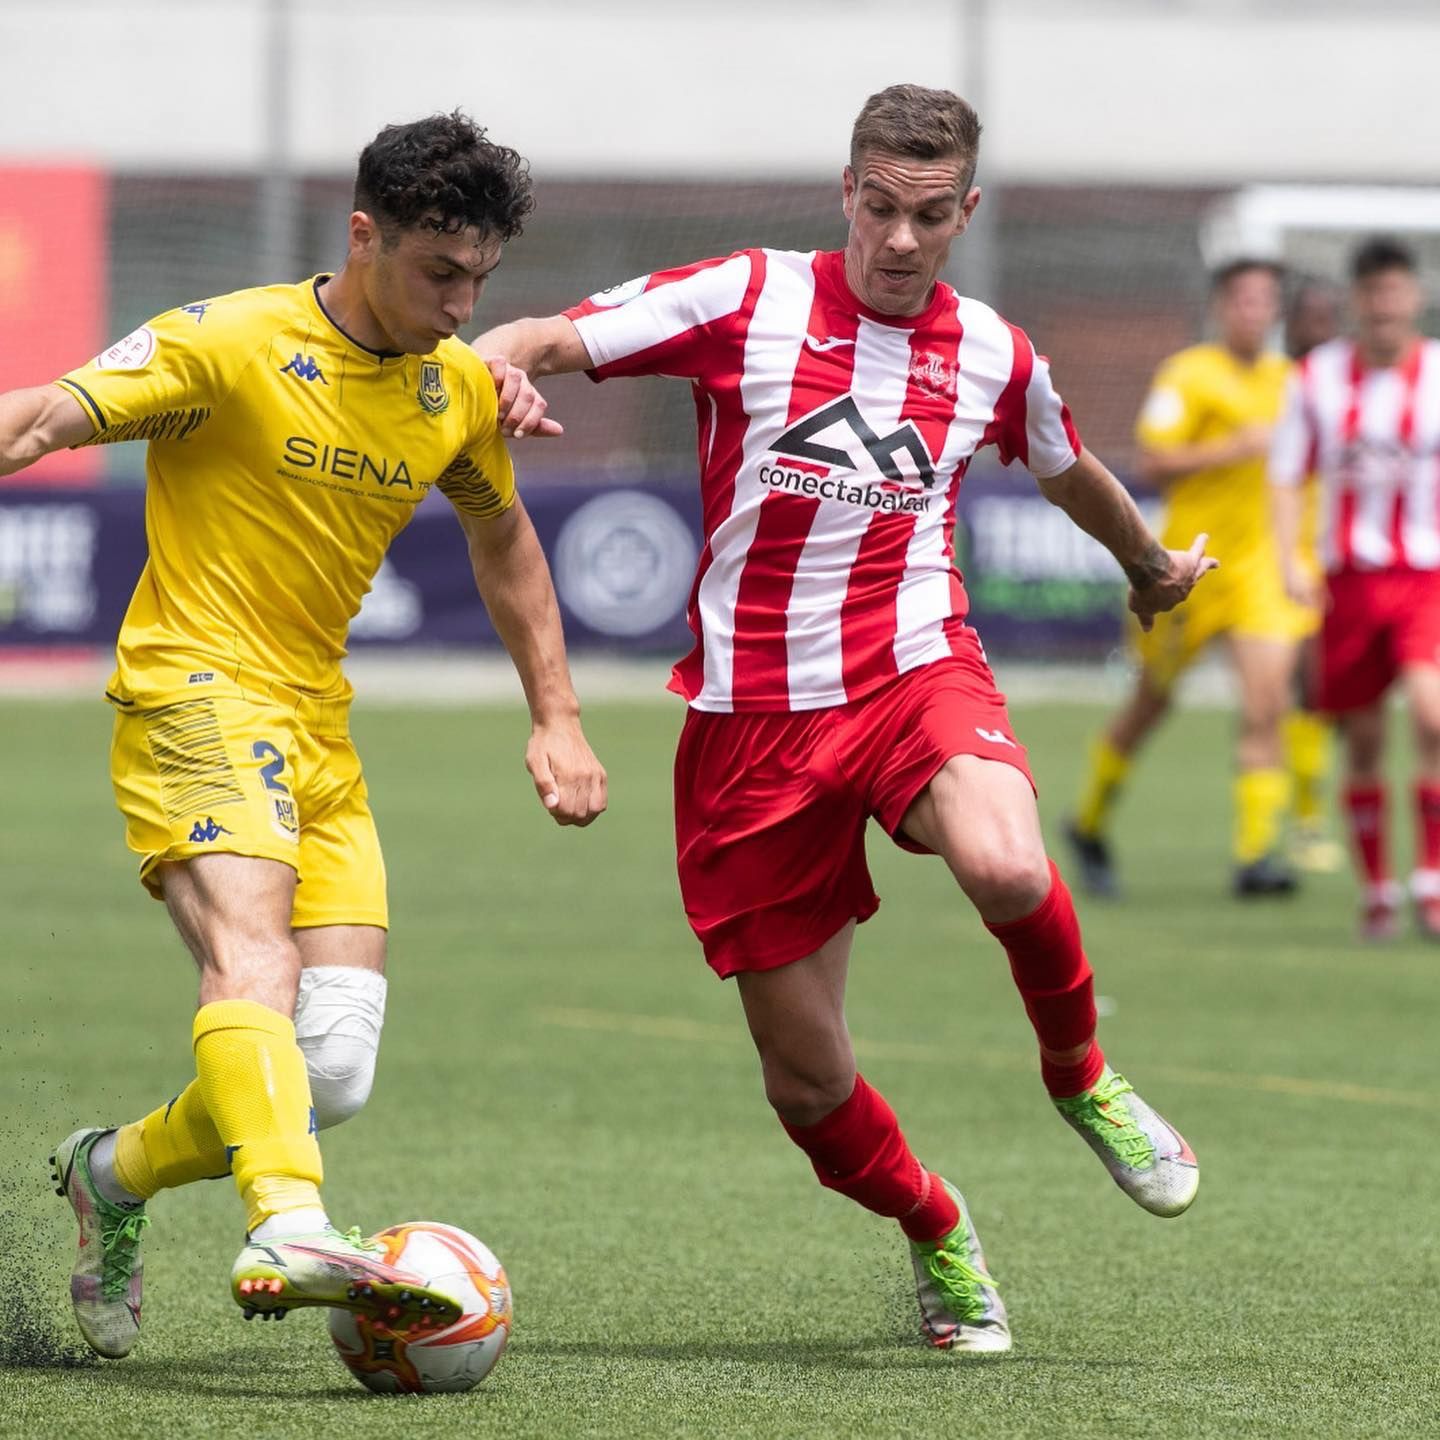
[270, 773]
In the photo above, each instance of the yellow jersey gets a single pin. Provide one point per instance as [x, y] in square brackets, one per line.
[283, 458]
[1206, 393]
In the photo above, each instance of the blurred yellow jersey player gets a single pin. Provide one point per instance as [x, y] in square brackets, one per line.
[292, 431]
[1203, 435]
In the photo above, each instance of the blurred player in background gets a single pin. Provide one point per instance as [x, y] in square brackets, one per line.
[1311, 318]
[1203, 435]
[292, 431]
[840, 398]
[1364, 414]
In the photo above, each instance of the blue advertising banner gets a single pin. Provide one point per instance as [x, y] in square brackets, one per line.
[623, 557]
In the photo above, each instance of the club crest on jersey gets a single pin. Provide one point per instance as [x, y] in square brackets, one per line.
[931, 372]
[434, 398]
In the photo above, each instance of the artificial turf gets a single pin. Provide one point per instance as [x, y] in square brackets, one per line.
[562, 1075]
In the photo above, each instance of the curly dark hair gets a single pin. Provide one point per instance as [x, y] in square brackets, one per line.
[441, 173]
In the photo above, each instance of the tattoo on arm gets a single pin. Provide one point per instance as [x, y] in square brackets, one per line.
[1153, 565]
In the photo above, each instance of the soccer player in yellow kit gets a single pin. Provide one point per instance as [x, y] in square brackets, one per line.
[292, 431]
[1203, 435]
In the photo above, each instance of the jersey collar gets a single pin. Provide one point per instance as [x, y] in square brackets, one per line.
[345, 335]
[831, 269]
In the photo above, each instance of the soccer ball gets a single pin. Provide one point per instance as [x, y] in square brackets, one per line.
[458, 1357]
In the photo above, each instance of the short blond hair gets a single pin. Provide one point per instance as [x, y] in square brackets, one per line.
[911, 120]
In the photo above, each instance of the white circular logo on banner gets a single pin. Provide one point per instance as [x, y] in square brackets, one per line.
[131, 353]
[624, 562]
[619, 294]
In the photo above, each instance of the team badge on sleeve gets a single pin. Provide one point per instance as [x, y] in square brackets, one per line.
[131, 353]
[620, 294]
[434, 398]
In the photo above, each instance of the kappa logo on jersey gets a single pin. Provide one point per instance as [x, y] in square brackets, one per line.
[434, 399]
[303, 367]
[206, 831]
[798, 442]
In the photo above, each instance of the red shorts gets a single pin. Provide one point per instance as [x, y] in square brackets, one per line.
[1376, 624]
[770, 809]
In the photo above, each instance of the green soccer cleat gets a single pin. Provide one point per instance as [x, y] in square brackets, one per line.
[340, 1272]
[106, 1283]
[1146, 1157]
[960, 1307]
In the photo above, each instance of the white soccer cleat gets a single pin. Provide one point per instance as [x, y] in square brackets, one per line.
[960, 1306]
[1145, 1155]
[108, 1278]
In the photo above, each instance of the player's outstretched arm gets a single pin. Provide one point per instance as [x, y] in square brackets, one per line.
[514, 582]
[519, 353]
[35, 422]
[1100, 505]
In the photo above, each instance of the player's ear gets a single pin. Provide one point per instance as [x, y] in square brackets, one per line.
[364, 236]
[847, 190]
[967, 209]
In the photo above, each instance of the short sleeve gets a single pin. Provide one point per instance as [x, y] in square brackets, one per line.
[1173, 409]
[1032, 423]
[165, 379]
[666, 323]
[1292, 444]
[480, 480]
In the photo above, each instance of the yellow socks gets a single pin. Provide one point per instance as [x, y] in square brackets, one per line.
[1108, 769]
[1261, 797]
[252, 1076]
[1307, 752]
[174, 1145]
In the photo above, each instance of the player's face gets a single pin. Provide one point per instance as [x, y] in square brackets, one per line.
[903, 214]
[1247, 308]
[423, 286]
[1314, 319]
[1387, 307]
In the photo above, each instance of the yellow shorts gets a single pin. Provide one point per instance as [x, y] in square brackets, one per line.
[275, 779]
[1251, 604]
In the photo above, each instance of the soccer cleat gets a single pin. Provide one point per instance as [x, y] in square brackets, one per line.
[1380, 912]
[106, 1283]
[1092, 857]
[1146, 1157]
[960, 1307]
[1269, 875]
[1313, 851]
[340, 1272]
[1425, 891]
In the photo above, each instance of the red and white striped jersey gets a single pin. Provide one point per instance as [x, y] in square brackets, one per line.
[1373, 438]
[832, 440]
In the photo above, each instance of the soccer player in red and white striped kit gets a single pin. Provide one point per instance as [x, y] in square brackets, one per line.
[840, 397]
[1363, 413]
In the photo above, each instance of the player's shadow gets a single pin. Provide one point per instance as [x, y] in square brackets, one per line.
[234, 1375]
[872, 1352]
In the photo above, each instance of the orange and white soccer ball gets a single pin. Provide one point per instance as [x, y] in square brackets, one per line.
[457, 1357]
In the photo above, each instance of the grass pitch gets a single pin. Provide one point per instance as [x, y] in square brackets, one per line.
[563, 1076]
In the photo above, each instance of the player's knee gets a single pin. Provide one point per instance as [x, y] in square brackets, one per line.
[338, 1019]
[805, 1096]
[1008, 884]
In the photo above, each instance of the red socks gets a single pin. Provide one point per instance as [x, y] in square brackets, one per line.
[1057, 985]
[1427, 820]
[858, 1150]
[1366, 807]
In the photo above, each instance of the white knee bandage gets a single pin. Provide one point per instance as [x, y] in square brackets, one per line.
[337, 1024]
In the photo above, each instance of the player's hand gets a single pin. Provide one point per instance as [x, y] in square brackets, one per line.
[1301, 585]
[1249, 442]
[1167, 588]
[521, 406]
[568, 778]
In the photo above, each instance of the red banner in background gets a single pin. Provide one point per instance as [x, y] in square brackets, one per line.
[52, 290]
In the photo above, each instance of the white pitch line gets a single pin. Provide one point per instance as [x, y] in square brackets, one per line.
[678, 1027]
